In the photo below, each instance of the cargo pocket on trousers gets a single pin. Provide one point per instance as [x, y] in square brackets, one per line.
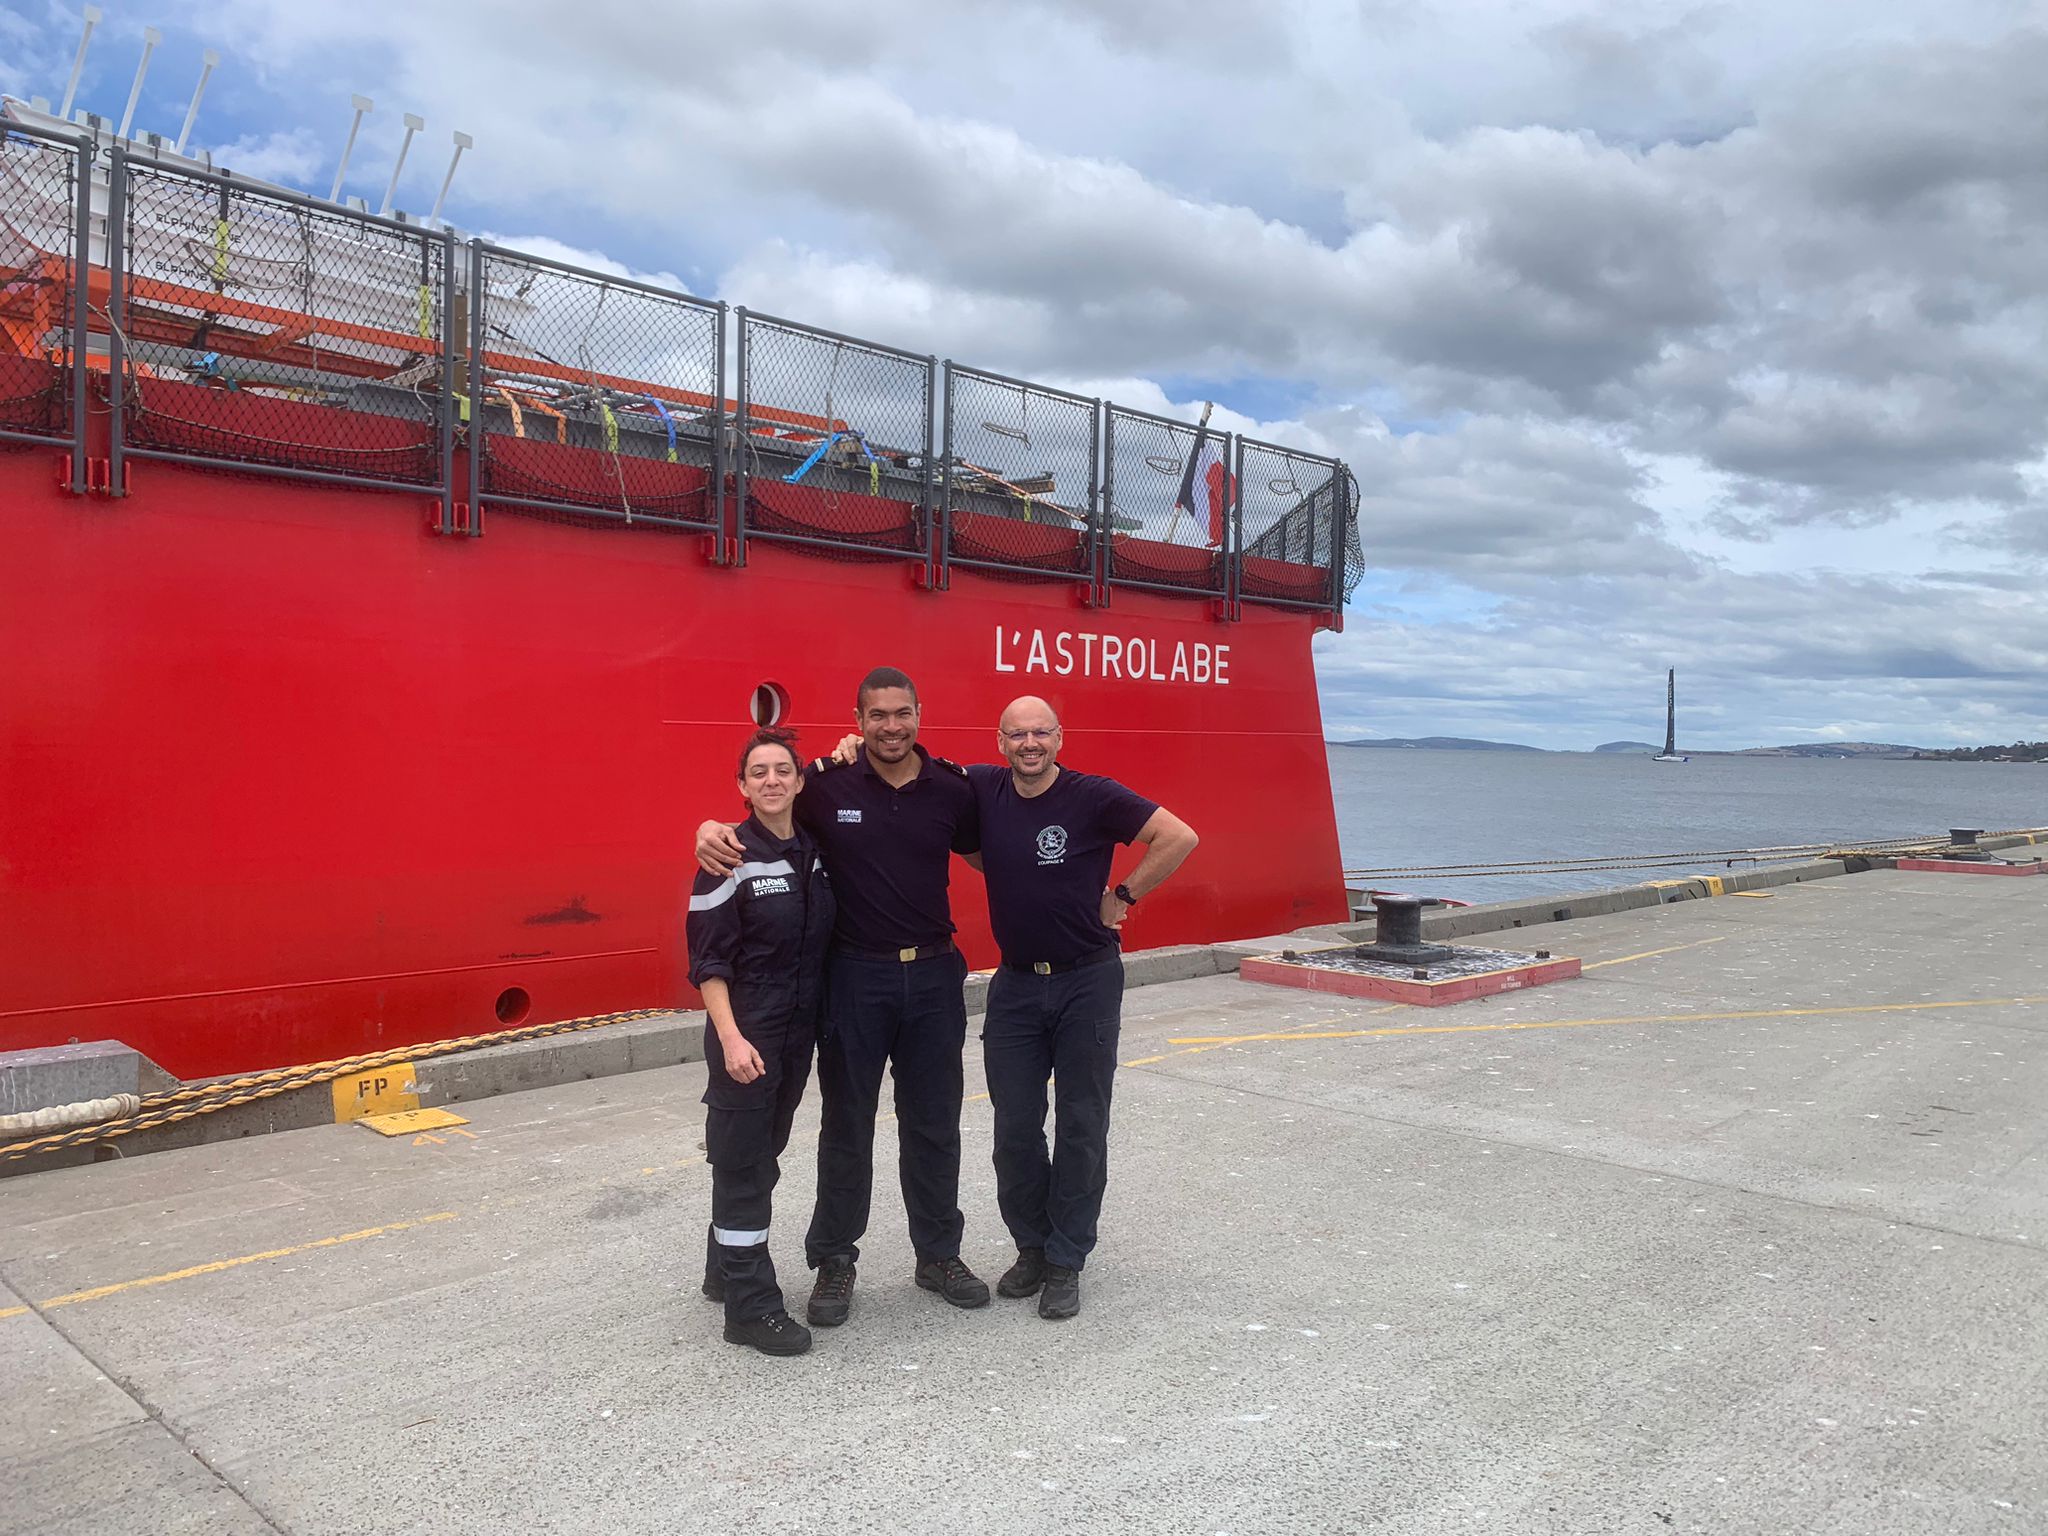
[736, 1138]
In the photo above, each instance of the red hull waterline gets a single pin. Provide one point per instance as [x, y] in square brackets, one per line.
[287, 776]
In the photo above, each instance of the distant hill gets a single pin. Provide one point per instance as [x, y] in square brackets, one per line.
[1833, 749]
[1628, 746]
[1440, 744]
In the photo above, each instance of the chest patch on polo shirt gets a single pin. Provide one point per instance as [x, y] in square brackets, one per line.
[771, 885]
[849, 815]
[1052, 845]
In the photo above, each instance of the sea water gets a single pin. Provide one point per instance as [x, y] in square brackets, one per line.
[1413, 806]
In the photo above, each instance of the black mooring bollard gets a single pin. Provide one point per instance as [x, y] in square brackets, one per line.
[1397, 934]
[1963, 845]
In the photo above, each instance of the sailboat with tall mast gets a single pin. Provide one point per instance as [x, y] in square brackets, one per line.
[1671, 754]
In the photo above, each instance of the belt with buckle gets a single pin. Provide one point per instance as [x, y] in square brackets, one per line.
[905, 955]
[1061, 967]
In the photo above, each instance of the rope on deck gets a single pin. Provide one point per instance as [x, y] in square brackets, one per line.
[193, 1100]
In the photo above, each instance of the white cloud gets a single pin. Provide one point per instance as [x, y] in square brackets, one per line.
[1713, 322]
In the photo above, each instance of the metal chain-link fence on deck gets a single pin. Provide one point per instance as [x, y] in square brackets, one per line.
[1167, 501]
[1300, 527]
[40, 180]
[261, 329]
[1020, 475]
[590, 395]
[834, 440]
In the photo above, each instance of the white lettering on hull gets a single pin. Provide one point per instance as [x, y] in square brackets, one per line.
[1128, 658]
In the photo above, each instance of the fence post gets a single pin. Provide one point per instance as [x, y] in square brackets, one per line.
[1102, 554]
[927, 507]
[479, 376]
[1098, 503]
[741, 441]
[1340, 537]
[1233, 533]
[942, 535]
[444, 337]
[718, 435]
[81, 309]
[117, 318]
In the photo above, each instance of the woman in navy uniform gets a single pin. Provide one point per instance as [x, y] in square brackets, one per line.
[757, 942]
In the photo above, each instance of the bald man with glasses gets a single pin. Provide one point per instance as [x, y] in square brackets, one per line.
[1049, 837]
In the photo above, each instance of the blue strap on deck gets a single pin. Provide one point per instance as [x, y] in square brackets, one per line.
[667, 421]
[817, 453]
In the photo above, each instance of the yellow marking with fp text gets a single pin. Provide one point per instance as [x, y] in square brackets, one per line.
[410, 1122]
[380, 1091]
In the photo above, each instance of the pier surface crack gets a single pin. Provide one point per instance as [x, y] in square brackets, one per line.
[151, 1413]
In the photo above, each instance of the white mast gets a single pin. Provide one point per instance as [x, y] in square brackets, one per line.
[150, 38]
[209, 60]
[413, 124]
[362, 104]
[92, 19]
[462, 141]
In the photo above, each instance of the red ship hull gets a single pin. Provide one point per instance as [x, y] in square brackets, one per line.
[287, 776]
[300, 759]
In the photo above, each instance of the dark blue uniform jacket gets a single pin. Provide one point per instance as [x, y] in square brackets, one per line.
[764, 928]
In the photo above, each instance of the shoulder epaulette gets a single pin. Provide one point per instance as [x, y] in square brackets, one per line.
[950, 766]
[824, 765]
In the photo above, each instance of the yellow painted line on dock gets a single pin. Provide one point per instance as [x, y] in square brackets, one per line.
[1651, 954]
[72, 1298]
[1640, 1018]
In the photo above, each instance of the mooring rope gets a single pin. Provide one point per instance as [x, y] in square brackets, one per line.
[197, 1099]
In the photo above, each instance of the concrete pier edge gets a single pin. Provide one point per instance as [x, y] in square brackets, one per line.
[671, 1039]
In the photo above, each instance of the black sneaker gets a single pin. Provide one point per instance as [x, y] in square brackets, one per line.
[714, 1286]
[832, 1296]
[954, 1281]
[1062, 1294]
[1024, 1277]
[776, 1334]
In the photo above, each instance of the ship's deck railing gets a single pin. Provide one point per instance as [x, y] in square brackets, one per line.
[255, 330]
[832, 442]
[565, 370]
[1021, 478]
[45, 211]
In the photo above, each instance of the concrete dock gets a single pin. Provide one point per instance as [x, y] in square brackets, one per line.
[1742, 1231]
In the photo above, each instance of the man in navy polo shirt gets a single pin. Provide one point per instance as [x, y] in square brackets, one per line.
[1048, 836]
[887, 827]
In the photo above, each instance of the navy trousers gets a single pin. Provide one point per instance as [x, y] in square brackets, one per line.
[911, 1018]
[746, 1128]
[1064, 1027]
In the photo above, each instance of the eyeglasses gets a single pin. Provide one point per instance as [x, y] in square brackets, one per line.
[1017, 738]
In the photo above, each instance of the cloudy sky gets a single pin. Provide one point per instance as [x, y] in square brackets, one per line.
[1708, 335]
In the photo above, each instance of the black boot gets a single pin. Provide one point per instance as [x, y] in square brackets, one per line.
[714, 1286]
[1024, 1277]
[1062, 1294]
[776, 1334]
[832, 1296]
[954, 1281]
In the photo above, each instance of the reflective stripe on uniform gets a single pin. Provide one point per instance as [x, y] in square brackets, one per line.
[733, 1239]
[719, 896]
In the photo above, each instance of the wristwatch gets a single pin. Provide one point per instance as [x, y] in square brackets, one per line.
[1123, 894]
